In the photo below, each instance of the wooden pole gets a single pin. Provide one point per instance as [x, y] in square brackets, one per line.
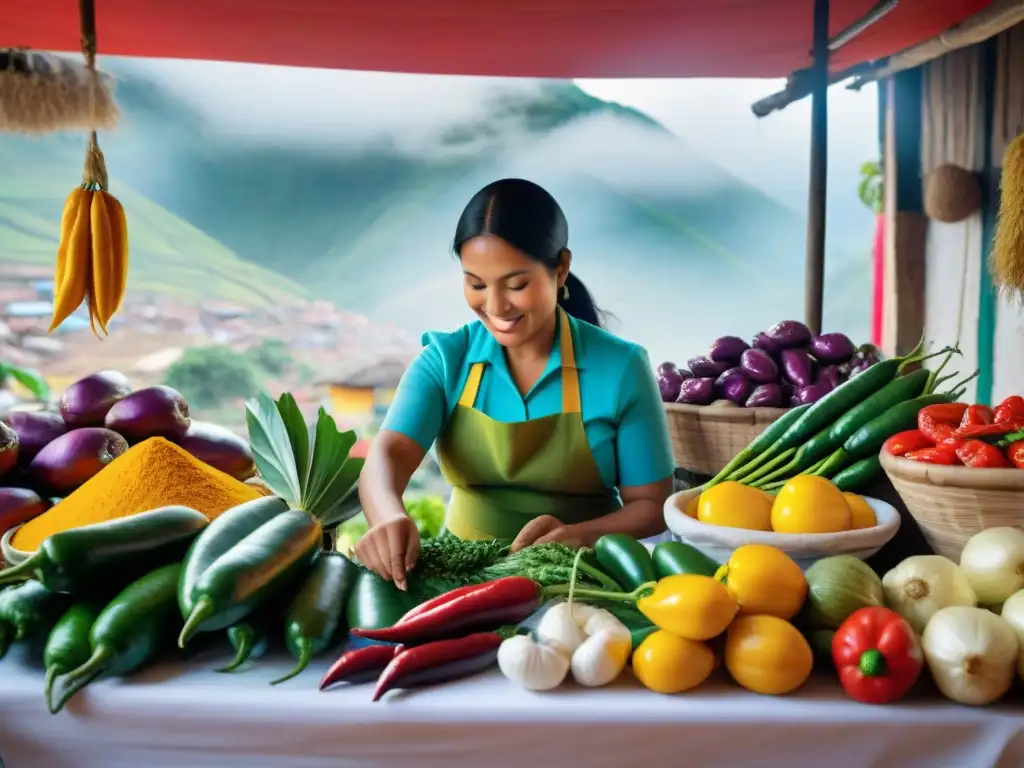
[814, 287]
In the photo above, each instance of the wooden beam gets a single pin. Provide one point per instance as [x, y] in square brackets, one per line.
[988, 304]
[814, 285]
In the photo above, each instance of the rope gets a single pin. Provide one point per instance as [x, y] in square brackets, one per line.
[95, 171]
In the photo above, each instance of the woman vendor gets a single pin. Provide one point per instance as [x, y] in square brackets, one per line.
[547, 427]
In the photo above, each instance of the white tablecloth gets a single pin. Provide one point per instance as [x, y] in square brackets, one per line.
[183, 715]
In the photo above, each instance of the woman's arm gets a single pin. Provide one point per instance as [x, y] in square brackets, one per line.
[390, 464]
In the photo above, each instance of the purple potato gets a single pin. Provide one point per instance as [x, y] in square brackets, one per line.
[798, 367]
[810, 394]
[763, 342]
[789, 333]
[74, 457]
[86, 402]
[737, 389]
[831, 347]
[18, 506]
[669, 383]
[8, 449]
[222, 449]
[703, 367]
[34, 429]
[766, 396]
[727, 349]
[697, 391]
[829, 377]
[726, 375]
[151, 412]
[758, 366]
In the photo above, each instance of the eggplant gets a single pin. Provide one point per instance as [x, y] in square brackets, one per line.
[728, 374]
[8, 449]
[158, 411]
[222, 449]
[765, 396]
[810, 394]
[797, 367]
[831, 347]
[703, 367]
[727, 349]
[763, 342]
[669, 382]
[34, 429]
[789, 334]
[737, 389]
[67, 462]
[18, 506]
[697, 391]
[86, 402]
[829, 377]
[758, 366]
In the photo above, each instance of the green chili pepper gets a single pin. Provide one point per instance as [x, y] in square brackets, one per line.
[858, 475]
[68, 647]
[376, 603]
[734, 469]
[675, 557]
[262, 565]
[116, 551]
[27, 611]
[625, 559]
[249, 639]
[130, 631]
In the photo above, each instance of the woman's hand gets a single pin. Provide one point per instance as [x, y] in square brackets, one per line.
[546, 529]
[390, 549]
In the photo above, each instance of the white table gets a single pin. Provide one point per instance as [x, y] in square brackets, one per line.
[183, 715]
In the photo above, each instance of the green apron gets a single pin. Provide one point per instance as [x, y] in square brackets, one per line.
[503, 475]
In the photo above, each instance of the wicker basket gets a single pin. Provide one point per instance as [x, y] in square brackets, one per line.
[951, 504]
[706, 437]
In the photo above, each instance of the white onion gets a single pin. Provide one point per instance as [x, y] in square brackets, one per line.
[924, 584]
[971, 653]
[993, 562]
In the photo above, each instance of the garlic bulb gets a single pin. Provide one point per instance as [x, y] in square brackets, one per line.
[971, 653]
[532, 665]
[993, 562]
[924, 584]
[600, 620]
[601, 658]
[561, 626]
[1013, 614]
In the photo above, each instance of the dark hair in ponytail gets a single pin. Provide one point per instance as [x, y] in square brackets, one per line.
[527, 217]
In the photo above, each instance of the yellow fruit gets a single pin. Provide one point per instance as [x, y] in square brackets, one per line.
[102, 260]
[809, 504]
[764, 580]
[665, 663]
[732, 505]
[76, 264]
[861, 513]
[690, 606]
[768, 655]
[691, 507]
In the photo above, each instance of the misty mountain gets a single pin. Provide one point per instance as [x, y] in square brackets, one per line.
[675, 247]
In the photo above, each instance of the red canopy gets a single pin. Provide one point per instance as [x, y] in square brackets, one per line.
[517, 38]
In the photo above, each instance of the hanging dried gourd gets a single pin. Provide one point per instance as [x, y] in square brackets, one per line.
[92, 257]
[1007, 260]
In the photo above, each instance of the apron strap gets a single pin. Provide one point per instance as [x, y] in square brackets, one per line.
[571, 401]
[469, 392]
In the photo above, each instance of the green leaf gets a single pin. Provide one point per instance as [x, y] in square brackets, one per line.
[298, 437]
[328, 480]
[347, 508]
[271, 448]
[29, 379]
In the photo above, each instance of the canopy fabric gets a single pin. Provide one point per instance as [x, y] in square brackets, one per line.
[511, 38]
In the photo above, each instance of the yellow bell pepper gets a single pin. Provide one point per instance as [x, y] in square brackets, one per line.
[733, 505]
[767, 655]
[690, 606]
[764, 580]
[665, 663]
[810, 504]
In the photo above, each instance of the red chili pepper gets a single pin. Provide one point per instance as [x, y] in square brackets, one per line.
[939, 422]
[1016, 453]
[987, 430]
[439, 662]
[509, 600]
[944, 454]
[877, 656]
[977, 416]
[1011, 409]
[981, 455]
[447, 597]
[903, 443]
[360, 665]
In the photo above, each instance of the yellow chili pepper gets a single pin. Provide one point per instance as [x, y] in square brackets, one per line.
[764, 580]
[690, 606]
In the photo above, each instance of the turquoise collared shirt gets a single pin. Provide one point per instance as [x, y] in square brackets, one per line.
[623, 415]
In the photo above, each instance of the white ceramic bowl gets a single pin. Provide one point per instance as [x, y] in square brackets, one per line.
[719, 543]
[8, 553]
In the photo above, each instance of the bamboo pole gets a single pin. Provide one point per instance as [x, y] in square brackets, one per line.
[814, 285]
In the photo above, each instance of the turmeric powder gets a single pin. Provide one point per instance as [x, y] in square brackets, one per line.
[154, 473]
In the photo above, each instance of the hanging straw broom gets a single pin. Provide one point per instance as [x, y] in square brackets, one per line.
[1007, 260]
[92, 258]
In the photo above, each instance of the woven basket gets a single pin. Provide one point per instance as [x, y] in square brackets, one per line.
[951, 504]
[706, 437]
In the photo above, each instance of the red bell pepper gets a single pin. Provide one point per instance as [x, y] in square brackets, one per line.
[360, 665]
[439, 662]
[981, 455]
[505, 601]
[877, 656]
[1011, 409]
[939, 422]
[944, 455]
[903, 443]
[1016, 453]
[977, 416]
